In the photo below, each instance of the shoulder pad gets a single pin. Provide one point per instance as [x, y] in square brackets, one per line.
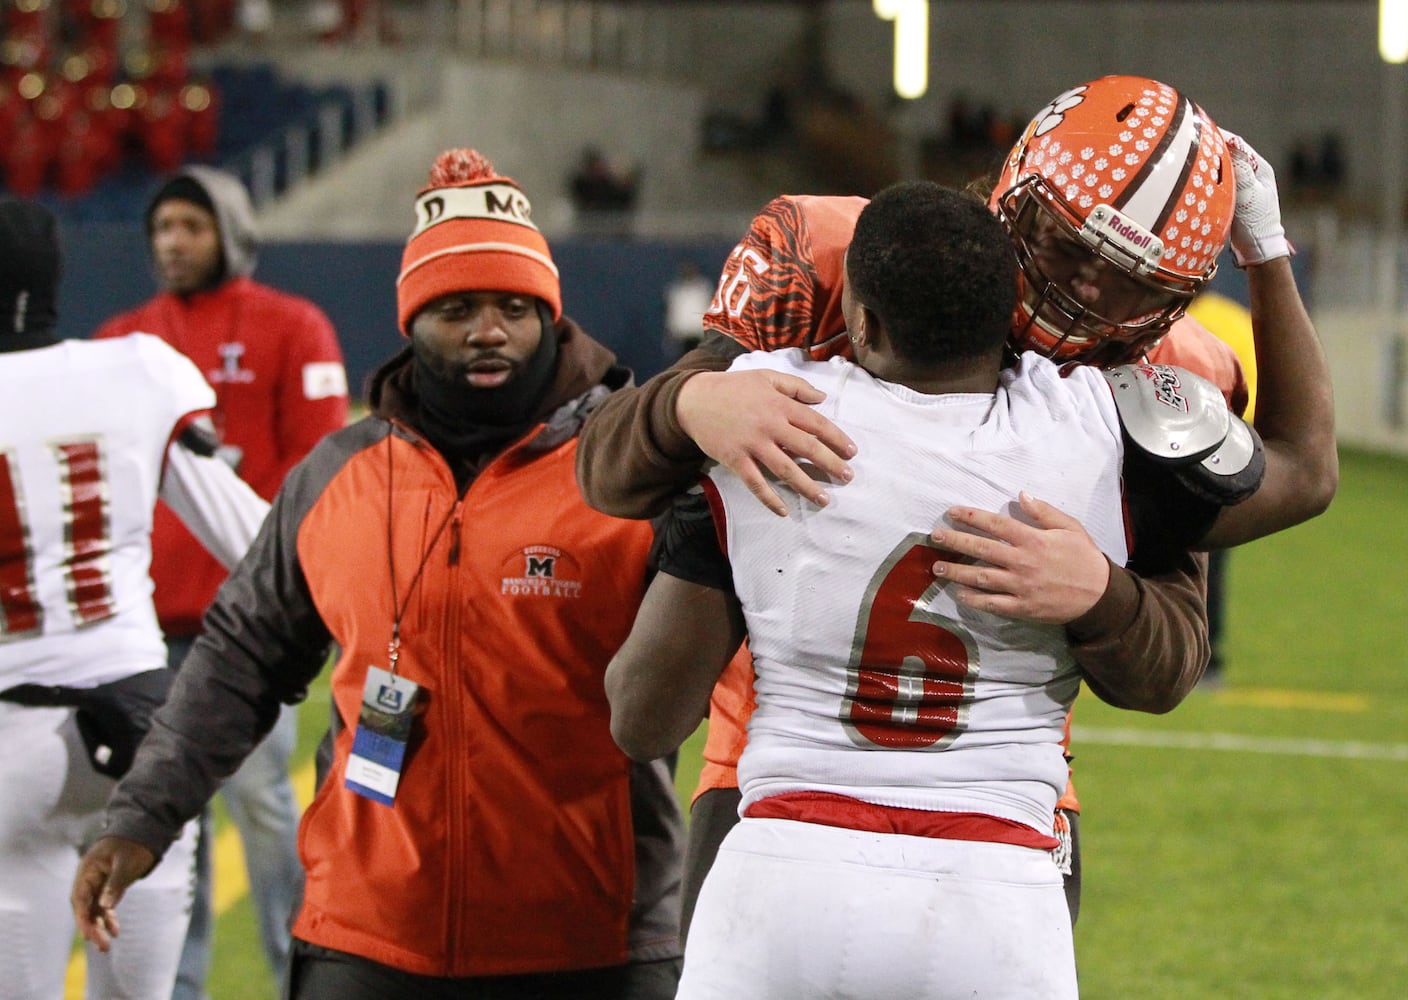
[1231, 473]
[1169, 413]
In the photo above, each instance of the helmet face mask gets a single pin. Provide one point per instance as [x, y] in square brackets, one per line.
[1083, 296]
[1118, 197]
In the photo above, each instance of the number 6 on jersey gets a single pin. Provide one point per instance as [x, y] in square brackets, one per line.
[911, 671]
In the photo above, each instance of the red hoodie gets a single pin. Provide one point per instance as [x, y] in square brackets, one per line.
[279, 381]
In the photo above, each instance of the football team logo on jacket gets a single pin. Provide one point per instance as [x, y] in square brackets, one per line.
[541, 571]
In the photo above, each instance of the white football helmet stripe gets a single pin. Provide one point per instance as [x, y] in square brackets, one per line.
[1151, 200]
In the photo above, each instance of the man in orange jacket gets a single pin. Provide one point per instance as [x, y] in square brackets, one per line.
[478, 833]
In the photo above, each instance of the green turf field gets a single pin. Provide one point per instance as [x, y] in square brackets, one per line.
[1250, 843]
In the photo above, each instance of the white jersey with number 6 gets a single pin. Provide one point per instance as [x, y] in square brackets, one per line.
[858, 648]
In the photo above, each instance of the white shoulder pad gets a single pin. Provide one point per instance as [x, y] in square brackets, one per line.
[1169, 413]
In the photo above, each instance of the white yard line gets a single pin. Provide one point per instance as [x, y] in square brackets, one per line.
[1240, 744]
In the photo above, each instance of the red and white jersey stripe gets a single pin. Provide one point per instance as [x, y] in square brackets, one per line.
[84, 428]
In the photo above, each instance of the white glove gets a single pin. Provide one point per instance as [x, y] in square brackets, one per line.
[1257, 234]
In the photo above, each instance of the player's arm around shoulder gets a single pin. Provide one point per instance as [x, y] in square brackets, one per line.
[761, 417]
[632, 455]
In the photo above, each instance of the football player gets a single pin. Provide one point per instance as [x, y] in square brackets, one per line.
[1119, 196]
[905, 756]
[93, 432]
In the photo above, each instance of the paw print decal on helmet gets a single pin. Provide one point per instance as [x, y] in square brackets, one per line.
[1055, 112]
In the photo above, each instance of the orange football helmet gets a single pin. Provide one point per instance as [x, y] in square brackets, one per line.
[1119, 198]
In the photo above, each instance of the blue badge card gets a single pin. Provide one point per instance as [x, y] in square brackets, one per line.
[383, 730]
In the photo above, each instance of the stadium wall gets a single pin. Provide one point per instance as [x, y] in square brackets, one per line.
[615, 289]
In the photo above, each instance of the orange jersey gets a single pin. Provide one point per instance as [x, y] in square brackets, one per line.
[1190, 345]
[781, 288]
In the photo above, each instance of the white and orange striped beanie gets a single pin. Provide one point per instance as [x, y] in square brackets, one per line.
[474, 232]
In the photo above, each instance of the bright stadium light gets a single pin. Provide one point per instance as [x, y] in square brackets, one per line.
[911, 19]
[1393, 30]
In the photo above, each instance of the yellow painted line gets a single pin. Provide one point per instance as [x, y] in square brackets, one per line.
[231, 882]
[1325, 701]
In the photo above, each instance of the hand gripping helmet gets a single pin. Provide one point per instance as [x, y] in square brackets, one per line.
[1119, 198]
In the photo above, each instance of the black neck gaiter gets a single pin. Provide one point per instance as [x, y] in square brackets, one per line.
[464, 423]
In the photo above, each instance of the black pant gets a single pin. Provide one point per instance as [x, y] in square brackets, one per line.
[323, 974]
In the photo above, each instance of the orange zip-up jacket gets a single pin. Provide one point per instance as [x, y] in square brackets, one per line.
[512, 844]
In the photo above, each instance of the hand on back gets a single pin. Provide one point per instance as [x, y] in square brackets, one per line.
[1048, 571]
[757, 423]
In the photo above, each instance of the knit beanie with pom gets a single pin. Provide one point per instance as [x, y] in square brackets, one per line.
[474, 232]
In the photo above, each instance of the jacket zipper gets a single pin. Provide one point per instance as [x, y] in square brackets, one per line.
[455, 533]
[457, 841]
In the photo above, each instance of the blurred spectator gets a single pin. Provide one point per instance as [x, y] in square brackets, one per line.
[967, 125]
[602, 195]
[727, 131]
[1303, 165]
[976, 139]
[599, 185]
[777, 114]
[280, 385]
[1332, 165]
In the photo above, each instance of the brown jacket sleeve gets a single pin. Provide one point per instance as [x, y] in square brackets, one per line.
[262, 642]
[633, 457]
[1145, 644]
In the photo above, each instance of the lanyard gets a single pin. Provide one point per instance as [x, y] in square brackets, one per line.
[399, 606]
